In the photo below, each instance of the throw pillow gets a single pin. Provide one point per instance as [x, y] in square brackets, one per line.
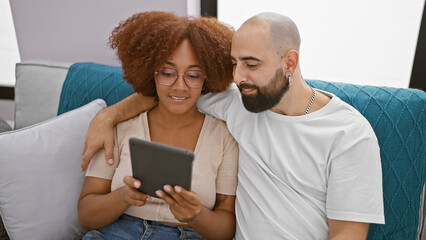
[40, 176]
[4, 127]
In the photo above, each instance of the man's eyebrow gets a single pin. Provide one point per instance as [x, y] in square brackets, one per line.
[247, 58]
[250, 58]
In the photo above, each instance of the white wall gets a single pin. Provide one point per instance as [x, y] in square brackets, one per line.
[77, 30]
[361, 42]
[67, 30]
[9, 53]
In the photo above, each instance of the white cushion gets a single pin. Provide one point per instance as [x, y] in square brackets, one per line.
[40, 176]
[37, 90]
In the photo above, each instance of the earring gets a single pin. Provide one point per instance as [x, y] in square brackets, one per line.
[289, 75]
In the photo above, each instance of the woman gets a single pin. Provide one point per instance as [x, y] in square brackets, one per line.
[175, 59]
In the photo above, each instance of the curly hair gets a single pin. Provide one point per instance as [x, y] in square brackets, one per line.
[146, 40]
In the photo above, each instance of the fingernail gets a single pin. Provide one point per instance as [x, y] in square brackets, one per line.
[136, 184]
[110, 161]
[149, 198]
[178, 189]
[167, 188]
[159, 194]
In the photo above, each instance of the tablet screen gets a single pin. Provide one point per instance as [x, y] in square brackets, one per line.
[156, 165]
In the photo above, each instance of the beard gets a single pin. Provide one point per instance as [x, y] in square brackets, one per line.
[268, 96]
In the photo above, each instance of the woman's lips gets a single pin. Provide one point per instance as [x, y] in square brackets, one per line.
[178, 99]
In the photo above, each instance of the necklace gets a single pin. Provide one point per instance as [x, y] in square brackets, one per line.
[311, 101]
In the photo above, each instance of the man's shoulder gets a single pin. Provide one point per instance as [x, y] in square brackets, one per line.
[342, 116]
[223, 105]
[350, 113]
[229, 95]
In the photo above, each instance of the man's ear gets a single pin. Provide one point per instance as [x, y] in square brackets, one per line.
[290, 61]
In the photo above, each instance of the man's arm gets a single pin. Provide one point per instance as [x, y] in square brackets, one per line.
[101, 130]
[347, 230]
[218, 104]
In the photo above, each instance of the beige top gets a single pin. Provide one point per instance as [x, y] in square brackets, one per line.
[214, 167]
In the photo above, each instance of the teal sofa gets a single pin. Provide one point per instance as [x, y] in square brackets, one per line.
[397, 116]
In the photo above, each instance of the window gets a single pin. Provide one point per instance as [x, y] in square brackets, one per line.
[9, 53]
[360, 42]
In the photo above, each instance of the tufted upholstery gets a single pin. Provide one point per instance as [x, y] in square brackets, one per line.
[86, 82]
[396, 115]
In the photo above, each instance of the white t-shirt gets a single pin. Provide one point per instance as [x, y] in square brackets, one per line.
[295, 172]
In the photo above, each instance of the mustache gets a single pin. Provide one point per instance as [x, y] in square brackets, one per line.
[247, 85]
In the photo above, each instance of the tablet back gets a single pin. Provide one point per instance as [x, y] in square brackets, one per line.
[156, 165]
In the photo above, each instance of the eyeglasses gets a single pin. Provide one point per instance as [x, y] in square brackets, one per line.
[168, 77]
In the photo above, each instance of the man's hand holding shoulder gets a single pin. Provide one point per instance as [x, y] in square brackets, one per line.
[99, 135]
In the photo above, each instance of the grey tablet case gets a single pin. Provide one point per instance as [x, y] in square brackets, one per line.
[156, 165]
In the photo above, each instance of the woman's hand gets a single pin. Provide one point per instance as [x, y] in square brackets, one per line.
[184, 205]
[130, 193]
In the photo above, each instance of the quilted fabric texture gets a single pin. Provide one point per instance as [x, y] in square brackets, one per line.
[86, 82]
[396, 115]
[398, 119]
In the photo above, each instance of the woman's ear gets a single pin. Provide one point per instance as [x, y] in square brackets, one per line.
[290, 61]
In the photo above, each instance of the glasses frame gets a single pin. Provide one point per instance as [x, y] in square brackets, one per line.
[177, 76]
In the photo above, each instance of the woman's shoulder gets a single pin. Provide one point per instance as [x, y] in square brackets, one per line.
[132, 122]
[216, 127]
[214, 123]
[132, 125]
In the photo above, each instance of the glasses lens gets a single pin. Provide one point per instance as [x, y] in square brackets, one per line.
[194, 79]
[166, 76]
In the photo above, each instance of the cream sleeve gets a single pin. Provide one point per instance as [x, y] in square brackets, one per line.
[98, 166]
[226, 181]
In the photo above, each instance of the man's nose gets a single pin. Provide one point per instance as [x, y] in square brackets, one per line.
[239, 74]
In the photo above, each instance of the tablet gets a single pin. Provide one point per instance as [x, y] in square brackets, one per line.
[156, 165]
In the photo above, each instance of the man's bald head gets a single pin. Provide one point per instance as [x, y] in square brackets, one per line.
[284, 35]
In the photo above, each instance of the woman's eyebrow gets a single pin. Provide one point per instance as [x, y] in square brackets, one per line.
[193, 66]
[190, 66]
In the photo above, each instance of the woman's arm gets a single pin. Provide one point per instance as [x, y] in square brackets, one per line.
[188, 207]
[99, 207]
[100, 132]
[222, 217]
[347, 230]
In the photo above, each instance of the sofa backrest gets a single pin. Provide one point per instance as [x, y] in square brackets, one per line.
[396, 115]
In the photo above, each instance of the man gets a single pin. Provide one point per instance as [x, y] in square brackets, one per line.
[309, 165]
